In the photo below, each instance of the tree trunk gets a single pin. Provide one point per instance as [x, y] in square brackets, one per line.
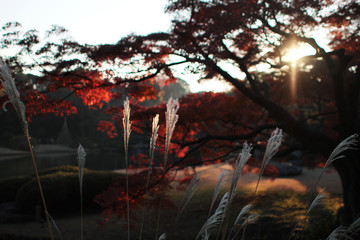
[349, 172]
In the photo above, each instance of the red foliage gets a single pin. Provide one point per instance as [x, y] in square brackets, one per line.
[113, 200]
[108, 128]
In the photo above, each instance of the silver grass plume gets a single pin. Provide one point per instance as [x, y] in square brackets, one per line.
[350, 233]
[191, 189]
[206, 235]
[154, 136]
[81, 154]
[272, 146]
[337, 233]
[127, 131]
[252, 218]
[242, 216]
[244, 211]
[162, 236]
[14, 96]
[217, 217]
[319, 199]
[126, 123]
[171, 119]
[242, 159]
[221, 180]
[346, 144]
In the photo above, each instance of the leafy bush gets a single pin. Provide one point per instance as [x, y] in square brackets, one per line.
[61, 190]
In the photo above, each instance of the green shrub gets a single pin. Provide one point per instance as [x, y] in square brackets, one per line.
[10, 186]
[61, 190]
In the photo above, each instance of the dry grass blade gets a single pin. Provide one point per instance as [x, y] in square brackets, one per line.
[171, 118]
[193, 186]
[217, 217]
[221, 180]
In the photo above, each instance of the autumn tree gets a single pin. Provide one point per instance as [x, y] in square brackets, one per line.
[315, 100]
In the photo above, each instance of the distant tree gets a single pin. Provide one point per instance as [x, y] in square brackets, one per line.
[228, 40]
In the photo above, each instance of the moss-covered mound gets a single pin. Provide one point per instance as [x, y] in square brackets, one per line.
[60, 186]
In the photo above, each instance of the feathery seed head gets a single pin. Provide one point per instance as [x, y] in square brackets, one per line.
[217, 217]
[154, 135]
[242, 159]
[221, 180]
[190, 190]
[126, 122]
[8, 83]
[273, 145]
[319, 199]
[162, 236]
[81, 154]
[244, 211]
[346, 144]
[171, 118]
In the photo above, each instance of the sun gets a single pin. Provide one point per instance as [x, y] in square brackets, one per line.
[294, 53]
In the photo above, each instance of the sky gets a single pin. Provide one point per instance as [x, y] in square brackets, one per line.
[97, 22]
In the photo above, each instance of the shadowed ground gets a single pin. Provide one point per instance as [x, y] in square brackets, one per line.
[69, 226]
